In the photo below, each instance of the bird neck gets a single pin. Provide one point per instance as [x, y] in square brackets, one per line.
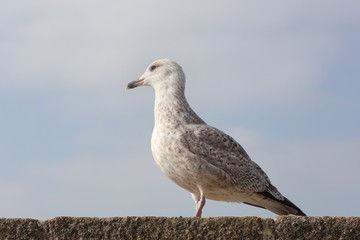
[172, 108]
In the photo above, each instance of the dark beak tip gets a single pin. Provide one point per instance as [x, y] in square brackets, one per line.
[128, 87]
[135, 84]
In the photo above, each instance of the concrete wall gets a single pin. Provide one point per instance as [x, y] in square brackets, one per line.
[182, 228]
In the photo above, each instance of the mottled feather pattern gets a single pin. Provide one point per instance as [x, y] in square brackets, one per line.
[200, 158]
[223, 152]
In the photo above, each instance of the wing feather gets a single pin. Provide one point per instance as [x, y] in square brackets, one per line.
[223, 152]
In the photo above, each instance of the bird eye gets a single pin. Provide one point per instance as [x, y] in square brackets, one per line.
[152, 68]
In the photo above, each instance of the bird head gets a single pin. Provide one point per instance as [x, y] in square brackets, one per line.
[161, 74]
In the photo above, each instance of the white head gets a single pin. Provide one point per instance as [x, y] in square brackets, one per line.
[162, 74]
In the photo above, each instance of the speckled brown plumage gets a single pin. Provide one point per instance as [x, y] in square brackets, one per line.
[200, 158]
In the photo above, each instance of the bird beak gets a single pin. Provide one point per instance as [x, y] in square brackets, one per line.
[135, 83]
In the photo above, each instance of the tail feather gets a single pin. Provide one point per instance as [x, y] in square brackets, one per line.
[286, 206]
[281, 207]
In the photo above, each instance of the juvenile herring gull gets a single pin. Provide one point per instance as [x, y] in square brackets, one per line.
[200, 158]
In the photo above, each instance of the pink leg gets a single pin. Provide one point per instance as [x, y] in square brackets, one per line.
[199, 206]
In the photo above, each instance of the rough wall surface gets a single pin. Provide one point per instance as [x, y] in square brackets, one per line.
[182, 228]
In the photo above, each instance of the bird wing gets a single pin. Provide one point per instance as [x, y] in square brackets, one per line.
[223, 152]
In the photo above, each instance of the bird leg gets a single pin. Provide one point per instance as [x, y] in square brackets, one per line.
[200, 203]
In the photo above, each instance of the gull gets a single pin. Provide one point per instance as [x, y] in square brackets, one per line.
[200, 158]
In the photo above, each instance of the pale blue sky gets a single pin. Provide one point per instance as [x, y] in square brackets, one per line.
[281, 77]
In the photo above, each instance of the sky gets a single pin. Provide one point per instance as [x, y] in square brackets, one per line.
[281, 77]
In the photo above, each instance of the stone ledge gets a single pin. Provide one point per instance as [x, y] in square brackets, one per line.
[283, 227]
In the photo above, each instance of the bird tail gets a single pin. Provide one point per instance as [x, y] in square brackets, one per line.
[278, 206]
